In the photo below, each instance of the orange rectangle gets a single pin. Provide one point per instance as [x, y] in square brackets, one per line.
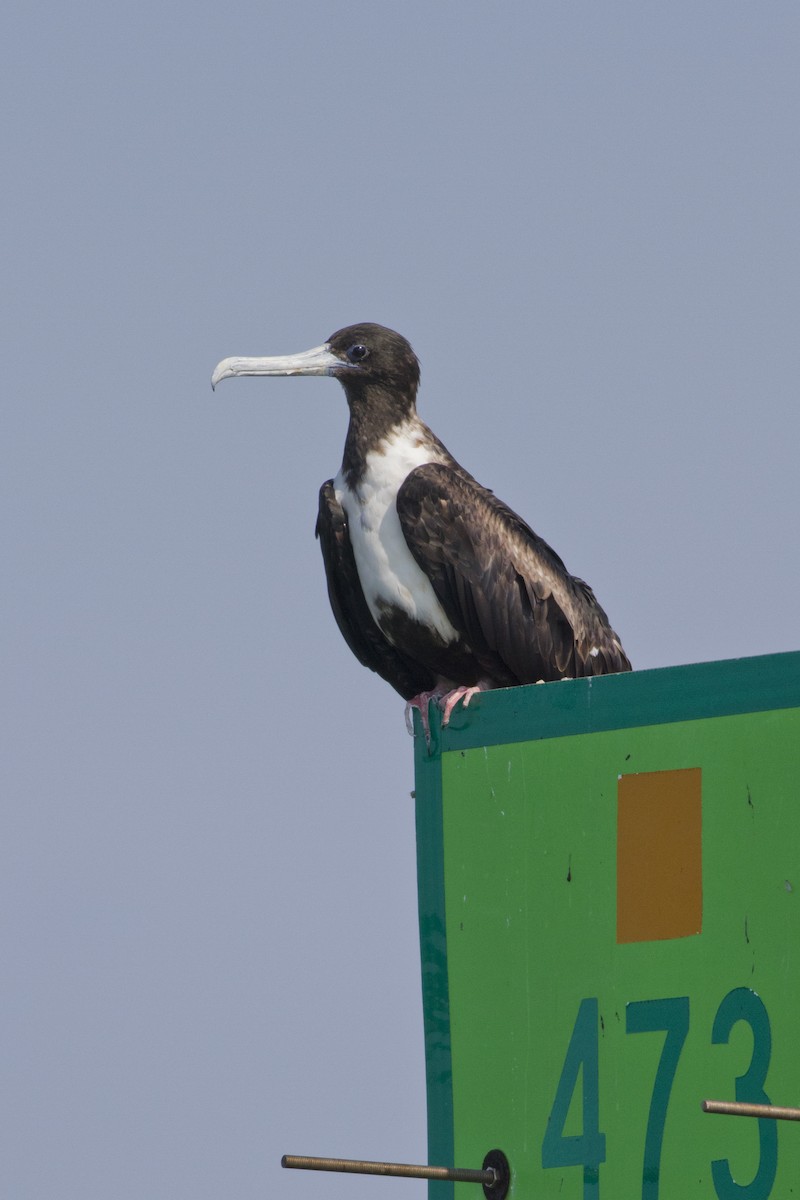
[659, 855]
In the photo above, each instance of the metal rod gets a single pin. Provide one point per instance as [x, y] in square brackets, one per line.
[735, 1108]
[354, 1166]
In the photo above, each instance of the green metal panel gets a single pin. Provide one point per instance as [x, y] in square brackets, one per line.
[582, 1050]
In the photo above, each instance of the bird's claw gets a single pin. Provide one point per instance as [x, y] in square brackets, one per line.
[421, 703]
[447, 700]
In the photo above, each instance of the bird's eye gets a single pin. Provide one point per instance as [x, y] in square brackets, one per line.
[357, 353]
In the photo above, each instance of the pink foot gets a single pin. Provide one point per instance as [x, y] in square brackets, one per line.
[421, 703]
[448, 702]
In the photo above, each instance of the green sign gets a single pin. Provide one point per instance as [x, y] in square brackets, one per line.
[609, 878]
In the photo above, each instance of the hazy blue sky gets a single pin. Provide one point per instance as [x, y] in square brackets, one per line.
[585, 218]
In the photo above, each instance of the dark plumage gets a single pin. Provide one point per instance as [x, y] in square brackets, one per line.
[434, 582]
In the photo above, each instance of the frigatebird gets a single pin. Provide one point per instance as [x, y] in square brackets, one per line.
[435, 584]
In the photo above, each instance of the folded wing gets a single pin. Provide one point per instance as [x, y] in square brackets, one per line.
[524, 617]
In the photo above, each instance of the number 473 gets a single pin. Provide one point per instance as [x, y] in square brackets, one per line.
[670, 1016]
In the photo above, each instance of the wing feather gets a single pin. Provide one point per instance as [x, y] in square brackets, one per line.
[524, 617]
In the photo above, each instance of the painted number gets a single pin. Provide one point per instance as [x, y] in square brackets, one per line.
[743, 1005]
[652, 1016]
[669, 1015]
[586, 1149]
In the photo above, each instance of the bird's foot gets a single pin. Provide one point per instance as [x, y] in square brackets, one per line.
[448, 702]
[447, 699]
[421, 702]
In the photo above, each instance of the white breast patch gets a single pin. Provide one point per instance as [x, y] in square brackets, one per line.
[387, 569]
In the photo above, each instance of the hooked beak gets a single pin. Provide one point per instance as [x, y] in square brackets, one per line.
[319, 361]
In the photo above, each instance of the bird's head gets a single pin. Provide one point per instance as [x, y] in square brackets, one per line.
[365, 358]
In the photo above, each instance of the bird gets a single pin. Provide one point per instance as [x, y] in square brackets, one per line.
[435, 583]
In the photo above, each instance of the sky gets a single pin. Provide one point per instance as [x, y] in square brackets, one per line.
[585, 219]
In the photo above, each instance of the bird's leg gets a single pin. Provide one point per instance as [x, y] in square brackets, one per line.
[449, 700]
[421, 702]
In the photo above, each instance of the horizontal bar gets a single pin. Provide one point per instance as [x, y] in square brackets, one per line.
[355, 1166]
[735, 1108]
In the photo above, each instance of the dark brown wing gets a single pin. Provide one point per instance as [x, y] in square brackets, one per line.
[350, 608]
[523, 615]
